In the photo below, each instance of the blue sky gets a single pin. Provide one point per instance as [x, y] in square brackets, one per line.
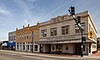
[16, 13]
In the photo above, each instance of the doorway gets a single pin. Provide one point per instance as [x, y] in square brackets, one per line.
[78, 49]
[59, 48]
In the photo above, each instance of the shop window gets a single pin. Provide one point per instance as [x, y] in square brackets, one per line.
[23, 47]
[53, 48]
[28, 47]
[36, 47]
[59, 46]
[66, 48]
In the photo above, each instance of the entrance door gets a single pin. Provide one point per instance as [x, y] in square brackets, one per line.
[78, 49]
[41, 48]
[49, 48]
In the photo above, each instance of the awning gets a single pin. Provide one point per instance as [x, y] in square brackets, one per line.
[4, 44]
[9, 43]
[60, 42]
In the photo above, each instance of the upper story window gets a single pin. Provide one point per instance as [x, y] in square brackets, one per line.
[36, 34]
[65, 30]
[20, 36]
[44, 33]
[53, 31]
[33, 34]
[30, 35]
[77, 28]
[27, 35]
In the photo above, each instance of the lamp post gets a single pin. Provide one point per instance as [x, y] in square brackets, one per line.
[77, 21]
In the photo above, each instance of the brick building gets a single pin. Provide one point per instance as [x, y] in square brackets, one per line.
[27, 39]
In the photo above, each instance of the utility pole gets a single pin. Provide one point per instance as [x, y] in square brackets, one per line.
[78, 23]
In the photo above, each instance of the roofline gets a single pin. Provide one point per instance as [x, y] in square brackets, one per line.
[12, 32]
[92, 21]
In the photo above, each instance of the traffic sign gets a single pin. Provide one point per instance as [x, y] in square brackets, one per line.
[90, 33]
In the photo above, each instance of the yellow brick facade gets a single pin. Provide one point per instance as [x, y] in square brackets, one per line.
[25, 34]
[24, 39]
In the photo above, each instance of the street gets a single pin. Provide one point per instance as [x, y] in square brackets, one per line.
[6, 55]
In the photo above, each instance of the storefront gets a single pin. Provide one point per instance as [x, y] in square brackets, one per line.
[68, 47]
[8, 45]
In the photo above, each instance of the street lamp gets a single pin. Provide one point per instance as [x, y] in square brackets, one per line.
[77, 20]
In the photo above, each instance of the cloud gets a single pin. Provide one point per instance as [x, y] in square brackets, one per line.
[59, 7]
[26, 7]
[32, 1]
[26, 21]
[32, 21]
[4, 9]
[5, 12]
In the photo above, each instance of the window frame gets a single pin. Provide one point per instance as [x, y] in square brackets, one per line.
[44, 33]
[53, 31]
[65, 30]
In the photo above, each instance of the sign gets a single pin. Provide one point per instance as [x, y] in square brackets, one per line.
[90, 34]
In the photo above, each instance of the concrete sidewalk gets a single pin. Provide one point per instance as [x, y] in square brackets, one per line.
[54, 55]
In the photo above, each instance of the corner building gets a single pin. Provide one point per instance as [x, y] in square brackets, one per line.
[61, 35]
[27, 39]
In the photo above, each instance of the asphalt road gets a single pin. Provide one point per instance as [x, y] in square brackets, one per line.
[16, 56]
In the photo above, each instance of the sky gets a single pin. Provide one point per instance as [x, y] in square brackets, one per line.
[16, 13]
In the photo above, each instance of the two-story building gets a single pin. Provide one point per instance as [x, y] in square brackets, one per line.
[27, 39]
[12, 36]
[10, 44]
[61, 35]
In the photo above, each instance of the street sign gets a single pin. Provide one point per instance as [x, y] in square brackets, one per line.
[90, 33]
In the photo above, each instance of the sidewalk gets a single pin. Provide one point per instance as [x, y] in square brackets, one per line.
[55, 55]
[96, 54]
